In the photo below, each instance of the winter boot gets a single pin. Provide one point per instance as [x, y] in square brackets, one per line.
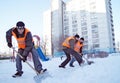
[60, 66]
[42, 71]
[71, 65]
[18, 74]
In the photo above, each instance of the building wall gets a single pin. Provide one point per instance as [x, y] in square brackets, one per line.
[91, 19]
[57, 24]
[93, 23]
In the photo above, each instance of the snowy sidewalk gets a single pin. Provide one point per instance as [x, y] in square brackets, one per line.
[106, 70]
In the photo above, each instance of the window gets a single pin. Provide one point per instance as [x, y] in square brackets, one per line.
[84, 32]
[83, 28]
[94, 26]
[95, 35]
[95, 45]
[83, 23]
[74, 25]
[95, 40]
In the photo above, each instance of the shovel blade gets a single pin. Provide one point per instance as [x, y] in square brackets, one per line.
[90, 62]
[38, 78]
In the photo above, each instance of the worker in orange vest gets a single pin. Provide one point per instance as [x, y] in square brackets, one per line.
[78, 48]
[25, 45]
[68, 48]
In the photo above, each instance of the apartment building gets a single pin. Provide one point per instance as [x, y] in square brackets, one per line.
[91, 19]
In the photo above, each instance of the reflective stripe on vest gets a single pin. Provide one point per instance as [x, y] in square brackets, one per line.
[21, 41]
[66, 42]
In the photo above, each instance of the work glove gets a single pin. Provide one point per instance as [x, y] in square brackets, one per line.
[24, 55]
[24, 58]
[81, 54]
[9, 45]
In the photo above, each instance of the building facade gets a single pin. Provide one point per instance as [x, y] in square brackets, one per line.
[91, 19]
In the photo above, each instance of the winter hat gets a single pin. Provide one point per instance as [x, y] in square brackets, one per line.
[20, 24]
[82, 38]
[77, 36]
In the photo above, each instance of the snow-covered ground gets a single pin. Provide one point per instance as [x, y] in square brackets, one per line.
[104, 70]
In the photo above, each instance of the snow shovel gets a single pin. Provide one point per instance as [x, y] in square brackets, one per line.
[40, 76]
[89, 62]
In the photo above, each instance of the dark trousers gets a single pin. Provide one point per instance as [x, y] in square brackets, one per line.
[36, 61]
[72, 60]
[69, 51]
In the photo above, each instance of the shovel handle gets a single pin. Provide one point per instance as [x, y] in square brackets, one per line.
[89, 62]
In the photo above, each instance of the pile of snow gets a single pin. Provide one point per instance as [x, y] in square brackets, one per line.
[104, 70]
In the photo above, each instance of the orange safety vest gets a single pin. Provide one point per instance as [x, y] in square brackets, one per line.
[21, 41]
[66, 42]
[78, 46]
